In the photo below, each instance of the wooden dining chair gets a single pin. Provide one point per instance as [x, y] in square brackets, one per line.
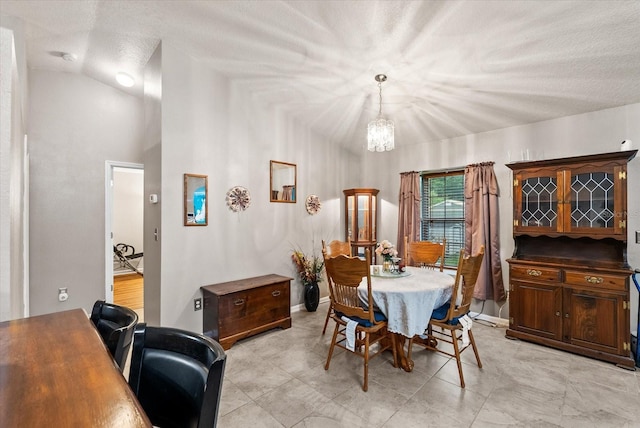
[345, 275]
[449, 317]
[335, 248]
[424, 253]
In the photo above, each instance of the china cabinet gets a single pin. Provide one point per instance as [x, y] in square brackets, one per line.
[361, 219]
[569, 276]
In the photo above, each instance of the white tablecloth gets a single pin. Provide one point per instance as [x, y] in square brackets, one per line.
[409, 301]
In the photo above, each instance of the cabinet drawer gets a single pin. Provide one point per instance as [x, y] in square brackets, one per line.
[535, 273]
[595, 279]
[244, 310]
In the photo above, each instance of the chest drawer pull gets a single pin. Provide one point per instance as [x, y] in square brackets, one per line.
[593, 279]
[239, 302]
[275, 293]
[533, 272]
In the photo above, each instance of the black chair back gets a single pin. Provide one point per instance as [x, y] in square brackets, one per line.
[177, 376]
[115, 324]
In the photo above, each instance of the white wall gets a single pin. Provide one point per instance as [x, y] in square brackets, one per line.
[76, 124]
[13, 187]
[211, 127]
[589, 133]
[128, 207]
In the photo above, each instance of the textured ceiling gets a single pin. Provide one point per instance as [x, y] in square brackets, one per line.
[454, 68]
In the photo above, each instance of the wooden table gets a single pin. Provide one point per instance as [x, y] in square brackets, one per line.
[55, 371]
[408, 301]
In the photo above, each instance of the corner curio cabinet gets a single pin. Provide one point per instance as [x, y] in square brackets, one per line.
[361, 219]
[569, 276]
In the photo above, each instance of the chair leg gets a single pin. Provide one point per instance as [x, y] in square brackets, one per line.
[454, 340]
[326, 320]
[409, 348]
[365, 386]
[475, 349]
[332, 346]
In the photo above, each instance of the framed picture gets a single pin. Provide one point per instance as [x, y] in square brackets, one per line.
[195, 200]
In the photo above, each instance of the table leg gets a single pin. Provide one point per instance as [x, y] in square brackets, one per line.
[405, 362]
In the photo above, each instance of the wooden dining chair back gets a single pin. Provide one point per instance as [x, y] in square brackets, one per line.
[452, 318]
[115, 325]
[425, 253]
[333, 249]
[358, 325]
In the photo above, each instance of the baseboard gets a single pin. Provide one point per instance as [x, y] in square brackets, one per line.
[300, 307]
[497, 322]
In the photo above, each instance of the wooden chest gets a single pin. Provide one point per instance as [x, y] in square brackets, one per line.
[238, 309]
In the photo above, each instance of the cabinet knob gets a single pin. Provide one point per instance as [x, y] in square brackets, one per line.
[239, 302]
[557, 313]
[275, 293]
[566, 315]
[533, 272]
[593, 279]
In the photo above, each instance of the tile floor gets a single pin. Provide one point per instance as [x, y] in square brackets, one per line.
[277, 379]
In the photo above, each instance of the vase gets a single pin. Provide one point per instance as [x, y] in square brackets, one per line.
[311, 296]
[386, 265]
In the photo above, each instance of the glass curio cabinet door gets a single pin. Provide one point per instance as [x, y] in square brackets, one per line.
[595, 205]
[538, 200]
[361, 219]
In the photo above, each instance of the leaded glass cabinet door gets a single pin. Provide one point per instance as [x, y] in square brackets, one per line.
[538, 204]
[595, 202]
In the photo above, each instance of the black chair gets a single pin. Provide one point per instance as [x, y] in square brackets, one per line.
[115, 324]
[177, 376]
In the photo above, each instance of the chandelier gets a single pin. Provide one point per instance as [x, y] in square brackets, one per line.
[380, 131]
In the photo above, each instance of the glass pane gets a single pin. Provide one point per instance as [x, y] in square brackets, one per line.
[373, 217]
[350, 216]
[592, 200]
[443, 213]
[363, 218]
[539, 202]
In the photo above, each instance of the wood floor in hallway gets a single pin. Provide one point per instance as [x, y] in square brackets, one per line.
[128, 290]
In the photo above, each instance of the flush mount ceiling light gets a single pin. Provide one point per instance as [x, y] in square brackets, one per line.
[380, 132]
[125, 79]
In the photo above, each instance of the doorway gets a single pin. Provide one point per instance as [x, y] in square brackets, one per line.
[124, 249]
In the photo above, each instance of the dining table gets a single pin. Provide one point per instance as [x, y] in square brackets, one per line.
[407, 299]
[56, 371]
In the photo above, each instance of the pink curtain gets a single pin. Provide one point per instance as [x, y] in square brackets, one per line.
[408, 209]
[483, 227]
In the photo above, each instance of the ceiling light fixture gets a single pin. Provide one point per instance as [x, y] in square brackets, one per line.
[125, 79]
[380, 132]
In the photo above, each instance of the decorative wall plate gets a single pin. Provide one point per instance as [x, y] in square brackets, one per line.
[238, 198]
[312, 204]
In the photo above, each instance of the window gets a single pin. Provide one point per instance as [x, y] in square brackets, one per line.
[442, 213]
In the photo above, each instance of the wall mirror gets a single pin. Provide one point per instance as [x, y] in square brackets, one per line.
[195, 200]
[283, 182]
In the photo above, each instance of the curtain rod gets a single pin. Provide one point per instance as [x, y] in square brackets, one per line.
[446, 170]
[452, 169]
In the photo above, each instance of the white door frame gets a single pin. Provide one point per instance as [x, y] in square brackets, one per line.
[109, 166]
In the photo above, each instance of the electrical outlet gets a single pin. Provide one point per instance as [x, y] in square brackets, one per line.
[62, 294]
[197, 304]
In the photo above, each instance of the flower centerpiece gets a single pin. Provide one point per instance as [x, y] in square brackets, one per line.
[387, 250]
[310, 273]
